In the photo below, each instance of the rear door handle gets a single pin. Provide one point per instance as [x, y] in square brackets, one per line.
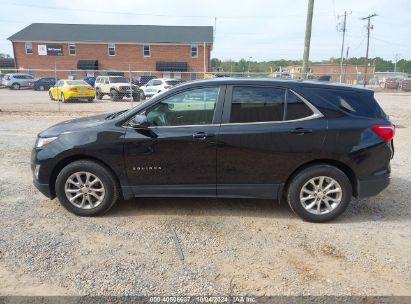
[301, 131]
[202, 135]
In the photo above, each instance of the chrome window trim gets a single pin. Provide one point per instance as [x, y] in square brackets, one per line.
[316, 114]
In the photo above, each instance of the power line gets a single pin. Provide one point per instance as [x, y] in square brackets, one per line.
[111, 12]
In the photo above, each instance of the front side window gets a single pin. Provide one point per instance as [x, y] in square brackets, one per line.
[257, 104]
[146, 50]
[194, 107]
[194, 51]
[29, 48]
[112, 50]
[72, 49]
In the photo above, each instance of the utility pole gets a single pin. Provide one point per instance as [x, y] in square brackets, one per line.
[368, 43]
[346, 60]
[307, 40]
[248, 71]
[344, 29]
[396, 60]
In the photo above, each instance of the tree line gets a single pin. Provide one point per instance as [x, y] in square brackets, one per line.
[243, 65]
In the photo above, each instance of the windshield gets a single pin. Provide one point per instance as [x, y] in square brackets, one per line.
[118, 80]
[76, 82]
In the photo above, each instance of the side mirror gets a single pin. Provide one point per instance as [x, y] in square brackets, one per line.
[139, 122]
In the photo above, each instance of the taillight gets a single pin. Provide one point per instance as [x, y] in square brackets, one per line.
[167, 87]
[386, 132]
[7, 77]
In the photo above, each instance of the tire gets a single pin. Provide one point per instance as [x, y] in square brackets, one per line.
[41, 88]
[92, 206]
[63, 98]
[51, 96]
[99, 95]
[114, 95]
[136, 97]
[337, 200]
[15, 86]
[90, 99]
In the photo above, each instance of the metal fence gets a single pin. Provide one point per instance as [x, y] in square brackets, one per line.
[375, 81]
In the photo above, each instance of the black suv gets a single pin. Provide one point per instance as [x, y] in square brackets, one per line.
[310, 144]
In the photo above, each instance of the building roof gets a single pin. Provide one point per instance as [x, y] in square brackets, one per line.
[114, 33]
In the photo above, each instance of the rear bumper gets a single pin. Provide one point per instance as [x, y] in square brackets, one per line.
[44, 188]
[371, 187]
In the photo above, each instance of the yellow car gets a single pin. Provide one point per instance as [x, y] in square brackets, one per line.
[66, 89]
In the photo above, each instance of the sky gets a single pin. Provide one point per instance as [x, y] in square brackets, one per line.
[260, 29]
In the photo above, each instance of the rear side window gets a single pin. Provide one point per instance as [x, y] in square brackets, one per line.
[257, 104]
[354, 102]
[296, 108]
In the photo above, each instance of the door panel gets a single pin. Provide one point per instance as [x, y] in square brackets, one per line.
[171, 156]
[266, 153]
[174, 156]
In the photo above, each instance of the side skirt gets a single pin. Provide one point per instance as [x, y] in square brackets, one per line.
[256, 191]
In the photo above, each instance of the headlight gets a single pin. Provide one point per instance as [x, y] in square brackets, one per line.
[42, 141]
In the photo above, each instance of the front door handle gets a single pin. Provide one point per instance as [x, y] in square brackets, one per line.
[202, 135]
[300, 131]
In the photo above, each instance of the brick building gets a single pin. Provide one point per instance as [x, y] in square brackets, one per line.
[89, 49]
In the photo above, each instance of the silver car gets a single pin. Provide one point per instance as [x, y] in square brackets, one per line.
[16, 81]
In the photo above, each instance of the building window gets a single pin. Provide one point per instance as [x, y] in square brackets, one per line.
[194, 51]
[72, 49]
[146, 50]
[29, 48]
[112, 50]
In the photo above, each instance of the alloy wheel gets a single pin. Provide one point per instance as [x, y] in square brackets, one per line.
[84, 190]
[321, 195]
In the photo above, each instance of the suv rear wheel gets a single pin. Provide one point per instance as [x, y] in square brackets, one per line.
[319, 193]
[15, 86]
[86, 188]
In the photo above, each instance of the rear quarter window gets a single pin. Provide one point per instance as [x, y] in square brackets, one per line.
[353, 102]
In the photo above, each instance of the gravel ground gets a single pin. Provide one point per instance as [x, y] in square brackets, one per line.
[229, 246]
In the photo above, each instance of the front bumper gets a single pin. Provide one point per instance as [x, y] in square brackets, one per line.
[44, 188]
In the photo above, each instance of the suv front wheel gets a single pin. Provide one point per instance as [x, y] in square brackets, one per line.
[114, 95]
[319, 193]
[86, 188]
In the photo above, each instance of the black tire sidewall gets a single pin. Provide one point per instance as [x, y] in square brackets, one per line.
[102, 173]
[114, 95]
[294, 188]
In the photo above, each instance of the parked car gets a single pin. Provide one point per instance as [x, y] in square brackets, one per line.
[42, 84]
[406, 84]
[90, 80]
[142, 80]
[391, 83]
[16, 81]
[66, 89]
[157, 85]
[116, 87]
[311, 144]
